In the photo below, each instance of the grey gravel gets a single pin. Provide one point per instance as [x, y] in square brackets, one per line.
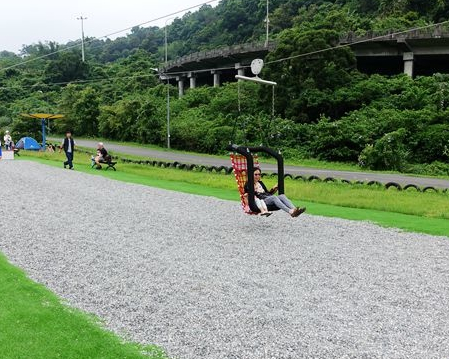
[199, 278]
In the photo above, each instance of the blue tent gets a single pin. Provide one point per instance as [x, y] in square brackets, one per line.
[28, 143]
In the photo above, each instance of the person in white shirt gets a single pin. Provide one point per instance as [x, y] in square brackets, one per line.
[7, 139]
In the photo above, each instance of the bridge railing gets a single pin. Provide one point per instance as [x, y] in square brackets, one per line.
[439, 31]
[220, 52]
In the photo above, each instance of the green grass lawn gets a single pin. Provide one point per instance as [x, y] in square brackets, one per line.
[36, 325]
[408, 210]
[309, 163]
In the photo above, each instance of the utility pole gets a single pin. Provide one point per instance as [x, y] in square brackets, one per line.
[267, 22]
[82, 35]
[168, 82]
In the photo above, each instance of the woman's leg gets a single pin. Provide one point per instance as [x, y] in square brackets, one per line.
[286, 201]
[278, 203]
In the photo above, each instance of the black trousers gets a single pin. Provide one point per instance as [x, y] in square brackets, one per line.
[69, 161]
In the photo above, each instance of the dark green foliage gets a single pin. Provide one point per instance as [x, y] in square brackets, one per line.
[307, 84]
[388, 153]
[65, 68]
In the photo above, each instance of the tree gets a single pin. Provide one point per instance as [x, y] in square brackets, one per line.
[307, 82]
[81, 110]
[66, 68]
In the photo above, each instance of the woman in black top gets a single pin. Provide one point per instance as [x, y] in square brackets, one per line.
[281, 201]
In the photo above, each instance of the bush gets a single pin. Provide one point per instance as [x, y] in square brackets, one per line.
[388, 153]
[433, 169]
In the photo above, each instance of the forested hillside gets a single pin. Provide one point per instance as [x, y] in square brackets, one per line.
[324, 107]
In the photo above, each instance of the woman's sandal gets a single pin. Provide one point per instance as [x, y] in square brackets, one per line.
[298, 211]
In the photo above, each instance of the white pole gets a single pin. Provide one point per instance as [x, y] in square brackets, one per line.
[168, 82]
[166, 45]
[255, 79]
[82, 35]
[267, 20]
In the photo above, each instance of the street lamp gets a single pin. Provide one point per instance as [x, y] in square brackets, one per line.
[168, 82]
[82, 34]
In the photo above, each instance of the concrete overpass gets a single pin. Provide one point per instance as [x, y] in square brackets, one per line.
[213, 67]
[421, 52]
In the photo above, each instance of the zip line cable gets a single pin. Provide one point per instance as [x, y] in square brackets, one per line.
[76, 82]
[108, 35]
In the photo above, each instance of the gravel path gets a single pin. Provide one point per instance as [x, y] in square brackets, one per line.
[197, 277]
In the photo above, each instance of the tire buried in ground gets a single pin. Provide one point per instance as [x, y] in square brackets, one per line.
[394, 185]
[374, 183]
[430, 189]
[408, 186]
[314, 178]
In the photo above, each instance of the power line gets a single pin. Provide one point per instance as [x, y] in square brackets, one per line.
[81, 82]
[108, 35]
[106, 79]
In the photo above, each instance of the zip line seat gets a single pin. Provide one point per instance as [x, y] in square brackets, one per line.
[244, 160]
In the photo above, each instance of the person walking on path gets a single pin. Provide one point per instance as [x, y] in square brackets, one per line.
[68, 145]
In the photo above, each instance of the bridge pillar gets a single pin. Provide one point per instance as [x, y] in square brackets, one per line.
[217, 79]
[240, 69]
[180, 85]
[408, 58]
[192, 78]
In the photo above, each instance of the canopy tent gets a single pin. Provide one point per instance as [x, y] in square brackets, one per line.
[43, 117]
[28, 143]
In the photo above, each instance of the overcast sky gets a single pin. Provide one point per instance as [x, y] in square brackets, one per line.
[30, 21]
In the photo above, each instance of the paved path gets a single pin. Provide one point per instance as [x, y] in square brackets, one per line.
[293, 170]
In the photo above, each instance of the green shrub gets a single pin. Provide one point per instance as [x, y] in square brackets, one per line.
[388, 153]
[433, 169]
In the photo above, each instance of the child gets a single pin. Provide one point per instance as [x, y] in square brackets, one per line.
[262, 207]
[260, 204]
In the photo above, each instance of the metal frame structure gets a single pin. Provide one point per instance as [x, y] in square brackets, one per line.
[247, 153]
[43, 117]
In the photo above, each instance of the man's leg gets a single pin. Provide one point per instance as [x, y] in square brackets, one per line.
[66, 162]
[70, 159]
